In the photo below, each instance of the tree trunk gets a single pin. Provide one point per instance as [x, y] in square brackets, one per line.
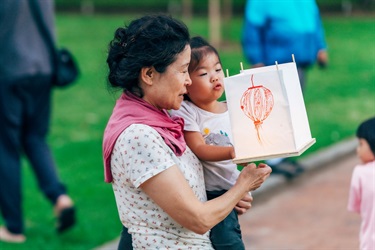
[214, 23]
[187, 9]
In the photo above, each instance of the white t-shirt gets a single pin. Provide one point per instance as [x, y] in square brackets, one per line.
[216, 130]
[139, 154]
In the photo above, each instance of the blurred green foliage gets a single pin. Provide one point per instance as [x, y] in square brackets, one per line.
[199, 6]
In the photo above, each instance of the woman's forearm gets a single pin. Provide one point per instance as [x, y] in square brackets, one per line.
[172, 193]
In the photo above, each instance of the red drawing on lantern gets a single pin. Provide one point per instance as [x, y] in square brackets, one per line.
[257, 103]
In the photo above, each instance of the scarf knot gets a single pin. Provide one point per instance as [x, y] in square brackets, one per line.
[130, 109]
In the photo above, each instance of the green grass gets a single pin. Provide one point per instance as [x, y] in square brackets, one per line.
[337, 99]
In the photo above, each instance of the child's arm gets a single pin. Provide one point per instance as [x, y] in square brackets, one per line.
[207, 152]
[354, 201]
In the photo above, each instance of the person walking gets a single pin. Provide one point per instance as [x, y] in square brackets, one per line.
[25, 106]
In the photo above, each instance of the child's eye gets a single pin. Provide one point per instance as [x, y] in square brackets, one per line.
[218, 70]
[203, 74]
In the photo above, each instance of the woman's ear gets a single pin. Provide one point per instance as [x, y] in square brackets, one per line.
[147, 74]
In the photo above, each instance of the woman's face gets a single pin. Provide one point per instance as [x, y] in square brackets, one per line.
[168, 88]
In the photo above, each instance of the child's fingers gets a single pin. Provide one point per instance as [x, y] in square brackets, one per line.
[262, 165]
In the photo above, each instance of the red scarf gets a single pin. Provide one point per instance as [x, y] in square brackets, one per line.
[130, 109]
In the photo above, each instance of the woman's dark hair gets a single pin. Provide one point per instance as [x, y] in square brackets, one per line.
[367, 131]
[152, 40]
[199, 49]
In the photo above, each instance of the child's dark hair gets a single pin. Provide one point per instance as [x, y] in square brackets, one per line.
[367, 131]
[153, 40]
[199, 49]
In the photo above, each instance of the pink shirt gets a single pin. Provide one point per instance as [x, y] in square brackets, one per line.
[362, 200]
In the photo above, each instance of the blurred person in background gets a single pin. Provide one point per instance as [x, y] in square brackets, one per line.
[274, 30]
[25, 105]
[362, 187]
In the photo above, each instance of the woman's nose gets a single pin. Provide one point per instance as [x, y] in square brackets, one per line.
[188, 80]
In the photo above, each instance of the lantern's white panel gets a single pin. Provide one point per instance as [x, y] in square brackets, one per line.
[285, 131]
[297, 106]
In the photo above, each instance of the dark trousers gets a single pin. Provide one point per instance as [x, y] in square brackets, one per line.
[227, 234]
[125, 242]
[25, 107]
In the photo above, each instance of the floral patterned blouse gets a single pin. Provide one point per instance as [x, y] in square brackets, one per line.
[139, 154]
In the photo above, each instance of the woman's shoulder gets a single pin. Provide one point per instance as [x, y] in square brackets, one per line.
[138, 129]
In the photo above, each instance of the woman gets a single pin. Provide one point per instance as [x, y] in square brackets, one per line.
[157, 180]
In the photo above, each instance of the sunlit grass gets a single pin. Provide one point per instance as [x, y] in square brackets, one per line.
[337, 99]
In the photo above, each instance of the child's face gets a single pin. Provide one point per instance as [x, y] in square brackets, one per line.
[364, 151]
[207, 81]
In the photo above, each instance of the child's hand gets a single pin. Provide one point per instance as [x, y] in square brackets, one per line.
[243, 164]
[262, 165]
[244, 204]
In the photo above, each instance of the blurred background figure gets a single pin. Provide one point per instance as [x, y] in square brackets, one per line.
[25, 105]
[362, 188]
[274, 30]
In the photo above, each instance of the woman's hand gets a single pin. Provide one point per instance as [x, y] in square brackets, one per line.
[244, 204]
[254, 176]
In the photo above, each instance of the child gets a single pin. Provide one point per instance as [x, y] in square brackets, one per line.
[362, 187]
[207, 132]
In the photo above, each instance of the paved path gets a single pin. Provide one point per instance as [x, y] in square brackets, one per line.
[307, 213]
